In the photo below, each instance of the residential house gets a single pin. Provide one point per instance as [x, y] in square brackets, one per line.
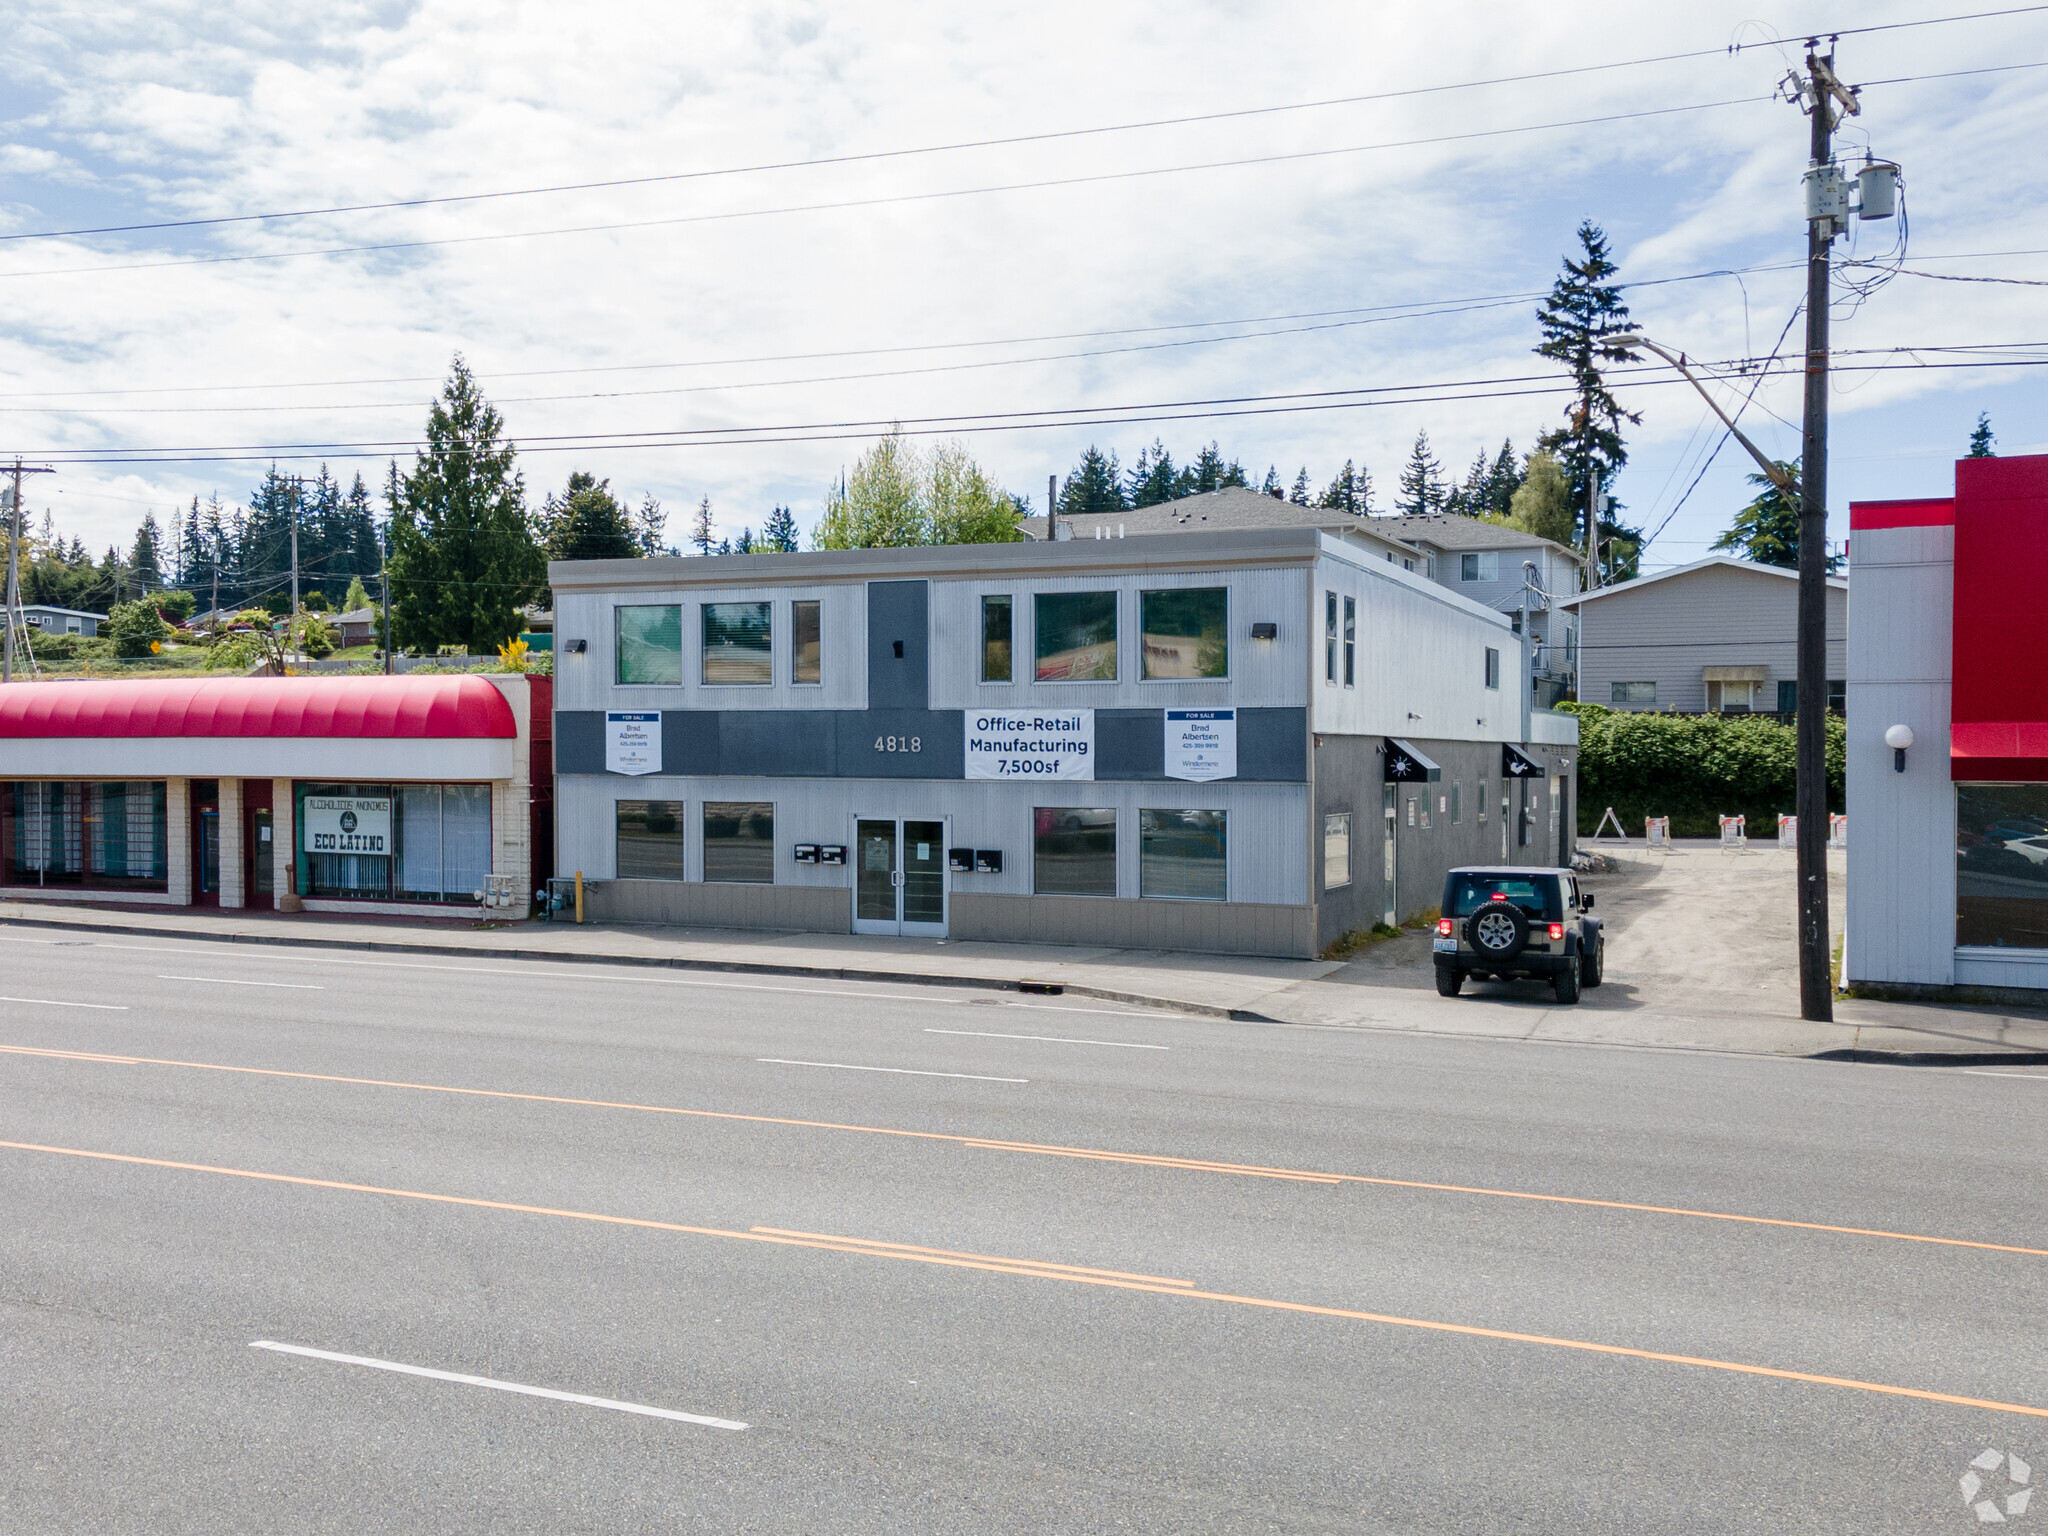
[61, 621]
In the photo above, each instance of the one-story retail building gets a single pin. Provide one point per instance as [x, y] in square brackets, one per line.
[1248, 742]
[1948, 736]
[329, 794]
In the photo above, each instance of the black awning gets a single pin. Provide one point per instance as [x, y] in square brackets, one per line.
[1518, 765]
[1405, 765]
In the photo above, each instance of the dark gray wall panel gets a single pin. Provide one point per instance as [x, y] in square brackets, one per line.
[689, 740]
[579, 741]
[1272, 745]
[897, 611]
[1130, 744]
[787, 743]
[940, 736]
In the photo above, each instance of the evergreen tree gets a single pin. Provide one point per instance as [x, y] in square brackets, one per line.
[1094, 484]
[357, 597]
[586, 522]
[1983, 442]
[745, 545]
[649, 524]
[1271, 485]
[1350, 492]
[1299, 495]
[700, 527]
[1422, 481]
[1502, 481]
[1469, 499]
[1209, 472]
[359, 543]
[145, 563]
[1154, 479]
[1586, 326]
[778, 534]
[463, 559]
[1767, 530]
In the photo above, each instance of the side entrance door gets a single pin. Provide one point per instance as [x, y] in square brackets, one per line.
[899, 880]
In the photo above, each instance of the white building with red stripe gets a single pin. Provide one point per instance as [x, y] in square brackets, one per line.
[329, 794]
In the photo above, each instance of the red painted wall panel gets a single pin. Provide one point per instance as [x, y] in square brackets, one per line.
[2001, 583]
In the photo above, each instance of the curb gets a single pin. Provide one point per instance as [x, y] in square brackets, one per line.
[1934, 1058]
[674, 963]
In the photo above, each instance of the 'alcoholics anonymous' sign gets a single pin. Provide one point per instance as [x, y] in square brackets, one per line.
[347, 824]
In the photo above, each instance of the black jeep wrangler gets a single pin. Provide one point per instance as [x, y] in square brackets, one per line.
[1504, 923]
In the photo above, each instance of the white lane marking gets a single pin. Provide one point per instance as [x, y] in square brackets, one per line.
[847, 1066]
[497, 1386]
[989, 1034]
[530, 969]
[58, 1002]
[2038, 1077]
[225, 981]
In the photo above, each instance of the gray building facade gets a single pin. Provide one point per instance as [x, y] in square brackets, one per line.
[1171, 742]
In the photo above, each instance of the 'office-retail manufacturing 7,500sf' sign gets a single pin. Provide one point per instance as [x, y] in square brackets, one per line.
[1031, 744]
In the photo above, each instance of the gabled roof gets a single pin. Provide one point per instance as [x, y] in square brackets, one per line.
[356, 616]
[1233, 508]
[1840, 583]
[1454, 530]
[75, 613]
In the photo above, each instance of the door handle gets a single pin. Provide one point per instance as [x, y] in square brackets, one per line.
[895, 877]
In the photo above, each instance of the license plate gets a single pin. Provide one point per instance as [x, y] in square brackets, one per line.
[1446, 946]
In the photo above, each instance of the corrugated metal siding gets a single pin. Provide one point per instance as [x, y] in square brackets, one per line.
[1261, 671]
[1421, 660]
[585, 682]
[1671, 631]
[1902, 838]
[1268, 862]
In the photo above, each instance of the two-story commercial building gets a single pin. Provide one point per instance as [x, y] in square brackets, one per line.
[1249, 741]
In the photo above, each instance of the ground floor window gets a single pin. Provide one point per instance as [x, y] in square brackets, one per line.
[393, 842]
[2002, 865]
[1183, 855]
[650, 840]
[1336, 850]
[739, 842]
[1073, 852]
[108, 835]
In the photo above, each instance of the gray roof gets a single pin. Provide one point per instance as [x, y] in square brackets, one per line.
[1233, 507]
[1453, 530]
[357, 616]
[76, 613]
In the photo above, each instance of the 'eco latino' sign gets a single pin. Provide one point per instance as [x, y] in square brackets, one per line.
[347, 824]
[1053, 745]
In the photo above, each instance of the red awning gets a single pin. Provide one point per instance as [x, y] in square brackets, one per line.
[433, 707]
[1983, 751]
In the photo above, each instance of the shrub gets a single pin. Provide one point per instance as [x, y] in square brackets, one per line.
[137, 628]
[1692, 768]
[179, 605]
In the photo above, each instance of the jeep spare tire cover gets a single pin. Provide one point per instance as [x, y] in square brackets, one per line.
[1497, 930]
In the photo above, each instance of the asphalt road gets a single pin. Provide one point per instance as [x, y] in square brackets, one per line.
[1128, 1271]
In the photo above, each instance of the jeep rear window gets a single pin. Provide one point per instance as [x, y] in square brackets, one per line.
[1534, 894]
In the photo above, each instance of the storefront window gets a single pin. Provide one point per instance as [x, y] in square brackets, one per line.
[1073, 851]
[1182, 855]
[739, 841]
[1074, 634]
[650, 644]
[650, 839]
[738, 646]
[94, 835]
[1186, 632]
[2002, 865]
[383, 842]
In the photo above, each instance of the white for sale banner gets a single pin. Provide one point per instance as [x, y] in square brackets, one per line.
[1201, 744]
[1031, 744]
[632, 741]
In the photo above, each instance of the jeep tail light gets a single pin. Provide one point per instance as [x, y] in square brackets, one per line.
[1444, 926]
[1557, 930]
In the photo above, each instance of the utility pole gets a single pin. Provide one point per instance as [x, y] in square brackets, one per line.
[384, 600]
[291, 624]
[14, 567]
[1827, 212]
[1591, 579]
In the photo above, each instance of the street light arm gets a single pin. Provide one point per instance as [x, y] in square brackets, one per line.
[1772, 471]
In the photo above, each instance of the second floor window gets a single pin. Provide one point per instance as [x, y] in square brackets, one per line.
[1185, 632]
[1074, 637]
[1350, 641]
[1330, 635]
[1492, 667]
[1479, 567]
[995, 637]
[650, 644]
[806, 642]
[738, 644]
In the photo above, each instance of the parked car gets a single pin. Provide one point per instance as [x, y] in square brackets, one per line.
[1506, 923]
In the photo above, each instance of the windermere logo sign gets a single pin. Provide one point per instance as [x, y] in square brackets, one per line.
[347, 824]
[1031, 744]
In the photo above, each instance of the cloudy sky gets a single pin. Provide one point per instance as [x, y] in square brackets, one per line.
[966, 250]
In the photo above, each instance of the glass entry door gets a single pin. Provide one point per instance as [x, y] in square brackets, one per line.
[899, 880]
[208, 883]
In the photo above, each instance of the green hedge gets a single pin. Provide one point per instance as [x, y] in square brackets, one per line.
[1693, 768]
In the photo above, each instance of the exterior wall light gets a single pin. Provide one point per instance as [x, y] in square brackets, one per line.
[1898, 738]
[577, 647]
[1264, 631]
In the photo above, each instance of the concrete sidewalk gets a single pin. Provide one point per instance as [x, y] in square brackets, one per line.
[1700, 957]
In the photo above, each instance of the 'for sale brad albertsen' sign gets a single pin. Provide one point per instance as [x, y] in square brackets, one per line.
[347, 823]
[632, 741]
[1201, 744]
[1031, 744]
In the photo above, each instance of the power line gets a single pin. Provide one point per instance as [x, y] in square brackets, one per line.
[895, 199]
